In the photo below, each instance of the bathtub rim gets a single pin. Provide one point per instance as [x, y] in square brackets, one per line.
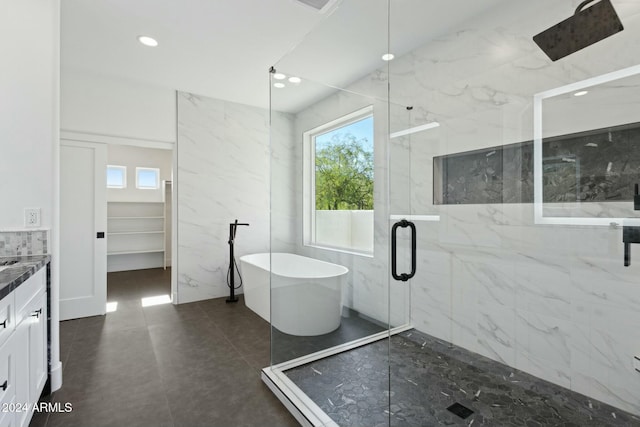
[276, 273]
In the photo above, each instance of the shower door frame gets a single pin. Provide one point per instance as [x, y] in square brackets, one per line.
[305, 410]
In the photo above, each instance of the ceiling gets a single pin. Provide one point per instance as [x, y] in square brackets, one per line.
[217, 48]
[224, 48]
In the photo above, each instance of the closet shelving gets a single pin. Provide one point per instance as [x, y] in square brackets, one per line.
[136, 228]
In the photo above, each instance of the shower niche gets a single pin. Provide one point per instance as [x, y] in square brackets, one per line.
[598, 165]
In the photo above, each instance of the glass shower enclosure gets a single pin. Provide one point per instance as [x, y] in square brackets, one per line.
[462, 210]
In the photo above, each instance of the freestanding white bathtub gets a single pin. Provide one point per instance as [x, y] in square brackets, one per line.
[307, 293]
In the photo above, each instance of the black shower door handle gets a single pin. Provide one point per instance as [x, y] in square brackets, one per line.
[394, 268]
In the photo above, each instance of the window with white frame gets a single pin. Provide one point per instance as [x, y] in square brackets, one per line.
[338, 183]
[147, 178]
[116, 176]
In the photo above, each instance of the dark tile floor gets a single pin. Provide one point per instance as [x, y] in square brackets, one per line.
[427, 376]
[189, 365]
[352, 327]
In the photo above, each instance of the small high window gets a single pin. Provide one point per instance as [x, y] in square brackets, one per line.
[116, 176]
[147, 178]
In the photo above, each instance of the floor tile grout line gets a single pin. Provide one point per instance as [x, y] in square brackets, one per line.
[234, 347]
[162, 380]
[226, 337]
[157, 365]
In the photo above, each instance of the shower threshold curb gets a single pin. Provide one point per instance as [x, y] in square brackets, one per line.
[305, 411]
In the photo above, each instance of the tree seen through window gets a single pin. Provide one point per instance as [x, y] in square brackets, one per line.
[344, 167]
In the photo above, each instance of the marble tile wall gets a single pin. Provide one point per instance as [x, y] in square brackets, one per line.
[26, 242]
[554, 301]
[223, 174]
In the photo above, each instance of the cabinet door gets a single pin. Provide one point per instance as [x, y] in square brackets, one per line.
[37, 348]
[20, 343]
[8, 419]
[7, 372]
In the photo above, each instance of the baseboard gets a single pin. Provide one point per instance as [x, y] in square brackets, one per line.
[56, 376]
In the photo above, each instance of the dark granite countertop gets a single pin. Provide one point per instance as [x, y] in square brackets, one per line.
[18, 273]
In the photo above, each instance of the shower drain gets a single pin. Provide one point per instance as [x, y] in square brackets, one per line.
[460, 410]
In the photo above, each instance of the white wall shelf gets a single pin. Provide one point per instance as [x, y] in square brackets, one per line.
[136, 229]
[150, 251]
[126, 233]
[135, 217]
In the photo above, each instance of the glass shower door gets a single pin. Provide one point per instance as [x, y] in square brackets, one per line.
[497, 250]
[329, 264]
[518, 173]
[413, 222]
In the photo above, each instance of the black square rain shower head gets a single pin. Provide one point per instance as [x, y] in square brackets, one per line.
[586, 27]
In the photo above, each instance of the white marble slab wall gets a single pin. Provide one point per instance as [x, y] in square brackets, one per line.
[223, 174]
[554, 301]
[284, 183]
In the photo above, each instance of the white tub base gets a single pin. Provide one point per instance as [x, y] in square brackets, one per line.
[305, 297]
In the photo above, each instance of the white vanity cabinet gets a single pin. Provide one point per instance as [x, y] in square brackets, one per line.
[23, 354]
[8, 358]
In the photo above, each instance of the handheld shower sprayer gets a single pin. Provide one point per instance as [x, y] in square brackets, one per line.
[233, 266]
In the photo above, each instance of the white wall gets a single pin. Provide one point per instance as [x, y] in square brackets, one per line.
[132, 157]
[104, 105]
[223, 174]
[28, 110]
[29, 123]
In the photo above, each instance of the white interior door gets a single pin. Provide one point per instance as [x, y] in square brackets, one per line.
[83, 216]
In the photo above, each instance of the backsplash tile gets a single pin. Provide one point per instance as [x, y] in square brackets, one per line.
[27, 242]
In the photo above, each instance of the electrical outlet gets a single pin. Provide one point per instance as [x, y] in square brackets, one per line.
[636, 363]
[32, 217]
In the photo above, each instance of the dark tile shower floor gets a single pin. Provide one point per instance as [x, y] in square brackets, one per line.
[428, 376]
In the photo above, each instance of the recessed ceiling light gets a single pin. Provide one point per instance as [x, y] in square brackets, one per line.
[295, 80]
[278, 85]
[388, 56]
[279, 76]
[148, 41]
[581, 93]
